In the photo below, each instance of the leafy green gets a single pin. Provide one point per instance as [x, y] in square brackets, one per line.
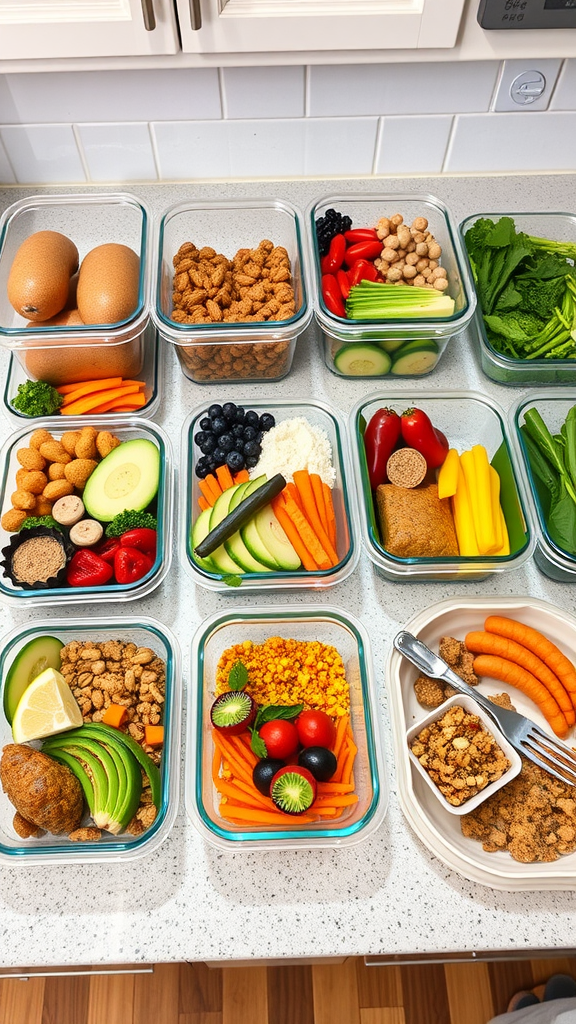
[495, 250]
[32, 521]
[36, 398]
[271, 712]
[131, 520]
[552, 463]
[238, 676]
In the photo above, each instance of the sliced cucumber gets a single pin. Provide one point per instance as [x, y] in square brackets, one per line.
[360, 360]
[391, 344]
[222, 559]
[275, 540]
[416, 360]
[419, 345]
[241, 515]
[38, 654]
[257, 547]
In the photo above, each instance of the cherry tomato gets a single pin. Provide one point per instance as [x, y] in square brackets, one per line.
[362, 270]
[315, 729]
[360, 235]
[332, 295]
[363, 251]
[335, 256]
[280, 737]
[344, 283]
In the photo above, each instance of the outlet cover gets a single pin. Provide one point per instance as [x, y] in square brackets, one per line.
[526, 84]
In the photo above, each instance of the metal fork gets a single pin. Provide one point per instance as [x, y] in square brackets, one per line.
[529, 739]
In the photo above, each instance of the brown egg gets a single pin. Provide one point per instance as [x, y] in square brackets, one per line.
[108, 284]
[39, 279]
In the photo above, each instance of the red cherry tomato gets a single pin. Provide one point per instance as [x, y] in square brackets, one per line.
[362, 270]
[360, 235]
[280, 737]
[315, 729]
[344, 283]
[363, 251]
[332, 295]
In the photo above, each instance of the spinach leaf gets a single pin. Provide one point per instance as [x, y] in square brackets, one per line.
[562, 520]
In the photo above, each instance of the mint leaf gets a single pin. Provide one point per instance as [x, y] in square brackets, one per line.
[232, 581]
[271, 712]
[238, 676]
[257, 744]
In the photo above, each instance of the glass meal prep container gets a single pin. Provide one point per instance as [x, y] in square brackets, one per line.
[70, 354]
[399, 348]
[305, 623]
[319, 415]
[58, 849]
[466, 418]
[126, 429]
[151, 372]
[553, 405]
[222, 352]
[504, 369]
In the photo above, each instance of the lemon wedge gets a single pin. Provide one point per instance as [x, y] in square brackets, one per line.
[46, 707]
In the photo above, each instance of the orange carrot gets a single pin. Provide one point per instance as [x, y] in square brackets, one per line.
[243, 749]
[98, 393]
[347, 767]
[324, 788]
[224, 477]
[508, 672]
[335, 801]
[257, 817]
[210, 488]
[340, 734]
[318, 493]
[330, 516]
[291, 532]
[204, 505]
[87, 386]
[115, 715]
[491, 643]
[539, 645]
[304, 485]
[207, 492]
[129, 404]
[236, 791]
[239, 767]
[295, 495]
[308, 534]
[216, 762]
[89, 402]
[242, 477]
[154, 735]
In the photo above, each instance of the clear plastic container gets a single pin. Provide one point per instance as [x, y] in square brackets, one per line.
[152, 373]
[553, 406]
[330, 626]
[51, 849]
[227, 353]
[351, 347]
[64, 355]
[561, 227]
[319, 415]
[127, 429]
[466, 418]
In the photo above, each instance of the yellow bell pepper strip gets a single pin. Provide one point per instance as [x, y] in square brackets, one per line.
[448, 475]
[496, 510]
[463, 519]
[483, 515]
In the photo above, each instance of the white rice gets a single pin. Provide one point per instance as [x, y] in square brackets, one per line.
[296, 444]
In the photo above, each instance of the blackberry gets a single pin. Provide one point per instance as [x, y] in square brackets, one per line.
[235, 462]
[332, 223]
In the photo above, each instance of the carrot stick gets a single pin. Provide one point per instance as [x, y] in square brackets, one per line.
[89, 402]
[244, 750]
[87, 386]
[204, 505]
[509, 672]
[240, 770]
[257, 817]
[349, 763]
[237, 792]
[224, 477]
[491, 643]
[539, 645]
[330, 516]
[291, 532]
[340, 734]
[128, 404]
[324, 788]
[207, 491]
[336, 801]
[304, 485]
[98, 393]
[295, 495]
[216, 762]
[242, 477]
[251, 793]
[318, 493]
[309, 537]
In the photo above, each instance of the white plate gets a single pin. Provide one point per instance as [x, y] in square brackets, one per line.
[437, 829]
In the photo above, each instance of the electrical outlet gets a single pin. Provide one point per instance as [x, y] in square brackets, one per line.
[526, 85]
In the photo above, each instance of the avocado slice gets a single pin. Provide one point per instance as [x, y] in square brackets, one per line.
[128, 478]
[200, 530]
[234, 547]
[218, 512]
[38, 654]
[100, 767]
[129, 788]
[275, 540]
[100, 731]
[77, 769]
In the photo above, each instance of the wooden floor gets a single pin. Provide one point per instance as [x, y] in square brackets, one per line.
[348, 993]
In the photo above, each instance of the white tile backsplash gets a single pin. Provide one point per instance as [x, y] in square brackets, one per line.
[263, 92]
[564, 97]
[118, 152]
[193, 149]
[427, 88]
[527, 141]
[43, 153]
[413, 145]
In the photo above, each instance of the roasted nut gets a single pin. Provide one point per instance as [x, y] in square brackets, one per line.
[106, 442]
[54, 451]
[78, 471]
[12, 520]
[86, 444]
[69, 440]
[56, 471]
[34, 481]
[30, 458]
[57, 489]
[39, 437]
[23, 500]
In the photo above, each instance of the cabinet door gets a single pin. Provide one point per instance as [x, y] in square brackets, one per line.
[86, 28]
[251, 26]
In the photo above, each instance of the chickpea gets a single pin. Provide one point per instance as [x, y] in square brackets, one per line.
[404, 235]
[394, 274]
[441, 284]
[393, 242]
[389, 255]
[411, 246]
[422, 264]
[420, 223]
[409, 272]
[412, 259]
[434, 250]
[418, 236]
[433, 264]
[419, 281]
[422, 249]
[396, 220]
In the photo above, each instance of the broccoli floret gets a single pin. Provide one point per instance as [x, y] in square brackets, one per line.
[36, 398]
[33, 521]
[130, 520]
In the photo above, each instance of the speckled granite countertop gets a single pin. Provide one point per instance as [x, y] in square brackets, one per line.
[189, 901]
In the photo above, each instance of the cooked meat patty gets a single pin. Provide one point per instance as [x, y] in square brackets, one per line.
[415, 522]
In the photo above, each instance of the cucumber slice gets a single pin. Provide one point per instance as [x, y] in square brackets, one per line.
[391, 344]
[360, 360]
[37, 655]
[241, 515]
[419, 345]
[415, 361]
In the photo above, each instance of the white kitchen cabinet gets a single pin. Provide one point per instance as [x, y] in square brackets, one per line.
[256, 26]
[86, 28]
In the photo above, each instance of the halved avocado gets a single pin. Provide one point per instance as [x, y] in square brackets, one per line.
[235, 545]
[127, 478]
[130, 785]
[275, 540]
[221, 557]
[38, 654]
[92, 760]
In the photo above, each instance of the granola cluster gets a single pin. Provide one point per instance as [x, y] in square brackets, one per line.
[460, 755]
[431, 693]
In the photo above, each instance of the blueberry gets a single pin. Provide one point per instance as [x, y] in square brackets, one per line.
[219, 456]
[214, 411]
[226, 442]
[219, 425]
[205, 423]
[209, 444]
[239, 414]
[252, 450]
[202, 468]
[259, 436]
[235, 461]
[212, 463]
[249, 434]
[200, 437]
[251, 461]
[238, 444]
[251, 418]
[267, 421]
[229, 410]
[238, 430]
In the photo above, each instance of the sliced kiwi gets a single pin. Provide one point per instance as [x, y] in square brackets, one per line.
[233, 711]
[293, 789]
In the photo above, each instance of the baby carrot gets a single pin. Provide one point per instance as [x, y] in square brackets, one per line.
[330, 516]
[204, 505]
[319, 499]
[86, 386]
[128, 404]
[539, 645]
[304, 485]
[89, 402]
[490, 643]
[336, 801]
[499, 668]
[340, 734]
[292, 533]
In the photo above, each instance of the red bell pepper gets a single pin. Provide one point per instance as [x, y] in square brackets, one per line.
[418, 433]
[380, 438]
[108, 549]
[363, 251]
[334, 258]
[361, 235]
[343, 283]
[130, 565]
[361, 270]
[87, 569]
[141, 538]
[332, 295]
